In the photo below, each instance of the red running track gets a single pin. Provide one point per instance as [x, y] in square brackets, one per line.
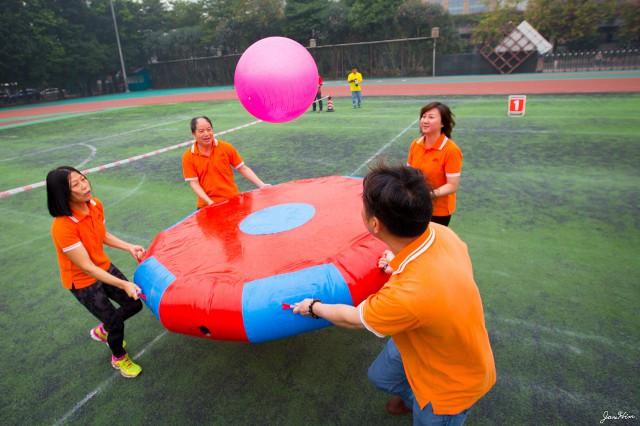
[559, 86]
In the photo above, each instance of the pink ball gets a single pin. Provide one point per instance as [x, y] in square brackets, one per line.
[276, 79]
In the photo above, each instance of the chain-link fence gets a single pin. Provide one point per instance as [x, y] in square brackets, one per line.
[387, 58]
[594, 60]
[194, 72]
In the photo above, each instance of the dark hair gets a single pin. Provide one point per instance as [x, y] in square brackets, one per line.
[399, 197]
[59, 190]
[448, 122]
[194, 122]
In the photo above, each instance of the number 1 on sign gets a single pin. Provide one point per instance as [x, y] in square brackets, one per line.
[516, 105]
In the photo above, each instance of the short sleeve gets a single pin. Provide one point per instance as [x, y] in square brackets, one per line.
[385, 313]
[188, 168]
[410, 155]
[235, 159]
[65, 235]
[453, 163]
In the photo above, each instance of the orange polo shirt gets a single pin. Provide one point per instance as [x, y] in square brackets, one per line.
[214, 172]
[437, 163]
[87, 230]
[432, 308]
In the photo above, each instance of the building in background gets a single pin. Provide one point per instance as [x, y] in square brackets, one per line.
[467, 7]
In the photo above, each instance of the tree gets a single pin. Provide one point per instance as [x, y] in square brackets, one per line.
[490, 29]
[415, 18]
[151, 15]
[49, 43]
[630, 23]
[305, 19]
[237, 24]
[372, 19]
[185, 13]
[336, 24]
[574, 23]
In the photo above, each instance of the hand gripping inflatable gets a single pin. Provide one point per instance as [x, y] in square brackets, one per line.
[228, 271]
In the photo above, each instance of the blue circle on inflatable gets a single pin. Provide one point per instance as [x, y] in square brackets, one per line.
[280, 218]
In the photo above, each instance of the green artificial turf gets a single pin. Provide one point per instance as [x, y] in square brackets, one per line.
[548, 205]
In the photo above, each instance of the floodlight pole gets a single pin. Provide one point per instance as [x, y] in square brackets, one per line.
[435, 33]
[433, 61]
[115, 26]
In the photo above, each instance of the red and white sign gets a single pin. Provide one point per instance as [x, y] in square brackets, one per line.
[517, 105]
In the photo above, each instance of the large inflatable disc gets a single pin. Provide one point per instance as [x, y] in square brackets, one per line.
[228, 271]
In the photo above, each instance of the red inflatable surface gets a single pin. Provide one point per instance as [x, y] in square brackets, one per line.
[225, 271]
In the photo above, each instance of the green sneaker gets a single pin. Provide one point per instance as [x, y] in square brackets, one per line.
[99, 334]
[127, 367]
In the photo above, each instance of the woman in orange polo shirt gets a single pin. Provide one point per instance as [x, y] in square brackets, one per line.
[439, 159]
[79, 235]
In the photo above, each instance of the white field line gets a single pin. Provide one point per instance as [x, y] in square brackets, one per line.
[93, 149]
[45, 217]
[563, 332]
[130, 192]
[31, 186]
[530, 341]
[105, 384]
[554, 393]
[378, 152]
[44, 151]
[24, 243]
[96, 139]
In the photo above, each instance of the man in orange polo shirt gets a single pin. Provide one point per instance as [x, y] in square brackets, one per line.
[208, 165]
[438, 361]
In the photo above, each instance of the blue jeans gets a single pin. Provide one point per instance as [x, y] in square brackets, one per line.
[387, 374]
[356, 98]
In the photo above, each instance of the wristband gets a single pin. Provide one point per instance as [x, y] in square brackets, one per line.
[314, 316]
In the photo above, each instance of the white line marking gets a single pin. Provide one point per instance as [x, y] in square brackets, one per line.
[556, 394]
[42, 151]
[556, 331]
[24, 243]
[105, 384]
[530, 341]
[90, 157]
[385, 146]
[130, 192]
[96, 139]
[29, 187]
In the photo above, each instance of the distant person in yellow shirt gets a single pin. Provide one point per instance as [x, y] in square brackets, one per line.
[355, 85]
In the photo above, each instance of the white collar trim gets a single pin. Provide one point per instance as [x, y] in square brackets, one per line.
[193, 147]
[417, 252]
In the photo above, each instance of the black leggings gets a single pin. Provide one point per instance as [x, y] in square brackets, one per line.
[96, 299]
[442, 220]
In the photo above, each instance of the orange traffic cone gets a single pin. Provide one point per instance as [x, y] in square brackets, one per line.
[329, 104]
